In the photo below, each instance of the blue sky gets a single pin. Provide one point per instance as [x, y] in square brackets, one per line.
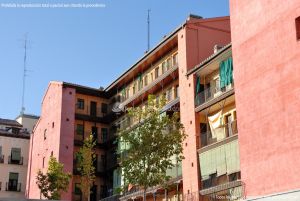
[79, 45]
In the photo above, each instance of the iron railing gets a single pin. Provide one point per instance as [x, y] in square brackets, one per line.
[87, 110]
[227, 130]
[111, 198]
[14, 161]
[13, 186]
[210, 93]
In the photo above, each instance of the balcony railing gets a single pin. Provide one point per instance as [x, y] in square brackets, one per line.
[87, 110]
[175, 172]
[1, 158]
[13, 186]
[16, 162]
[100, 139]
[111, 198]
[223, 132]
[211, 93]
[159, 79]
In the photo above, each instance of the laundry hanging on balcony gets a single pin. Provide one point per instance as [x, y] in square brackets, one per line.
[215, 122]
[225, 70]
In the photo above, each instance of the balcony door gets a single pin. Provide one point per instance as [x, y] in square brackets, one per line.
[95, 133]
[93, 195]
[13, 181]
[228, 123]
[93, 109]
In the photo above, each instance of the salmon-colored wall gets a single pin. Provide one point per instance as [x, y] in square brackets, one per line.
[57, 106]
[195, 43]
[267, 87]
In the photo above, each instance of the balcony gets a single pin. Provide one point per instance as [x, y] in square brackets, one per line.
[155, 82]
[2, 159]
[13, 186]
[101, 140]
[175, 172]
[88, 113]
[231, 190]
[212, 95]
[221, 133]
[111, 198]
[15, 161]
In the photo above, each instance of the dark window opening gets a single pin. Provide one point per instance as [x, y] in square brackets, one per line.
[93, 109]
[297, 21]
[104, 108]
[80, 103]
[79, 129]
[104, 133]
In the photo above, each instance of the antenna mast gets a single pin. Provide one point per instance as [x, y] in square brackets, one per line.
[24, 74]
[148, 21]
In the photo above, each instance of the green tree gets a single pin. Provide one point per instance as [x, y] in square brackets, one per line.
[150, 145]
[85, 164]
[55, 181]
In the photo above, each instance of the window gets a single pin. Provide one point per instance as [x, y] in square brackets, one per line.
[298, 28]
[157, 100]
[13, 182]
[104, 108]
[15, 130]
[140, 84]
[175, 59]
[169, 63]
[234, 176]
[43, 162]
[95, 132]
[163, 67]
[45, 134]
[79, 129]
[176, 91]
[134, 88]
[126, 93]
[1, 157]
[80, 104]
[77, 190]
[156, 72]
[146, 80]
[15, 157]
[104, 133]
[52, 124]
[169, 94]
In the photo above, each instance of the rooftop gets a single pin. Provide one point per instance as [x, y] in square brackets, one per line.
[9, 122]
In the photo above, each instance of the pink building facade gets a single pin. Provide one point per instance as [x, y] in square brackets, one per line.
[266, 52]
[52, 136]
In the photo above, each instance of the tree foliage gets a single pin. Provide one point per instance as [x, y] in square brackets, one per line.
[148, 148]
[54, 181]
[85, 164]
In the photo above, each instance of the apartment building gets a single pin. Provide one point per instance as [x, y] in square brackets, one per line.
[14, 145]
[159, 73]
[266, 50]
[70, 113]
[216, 133]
